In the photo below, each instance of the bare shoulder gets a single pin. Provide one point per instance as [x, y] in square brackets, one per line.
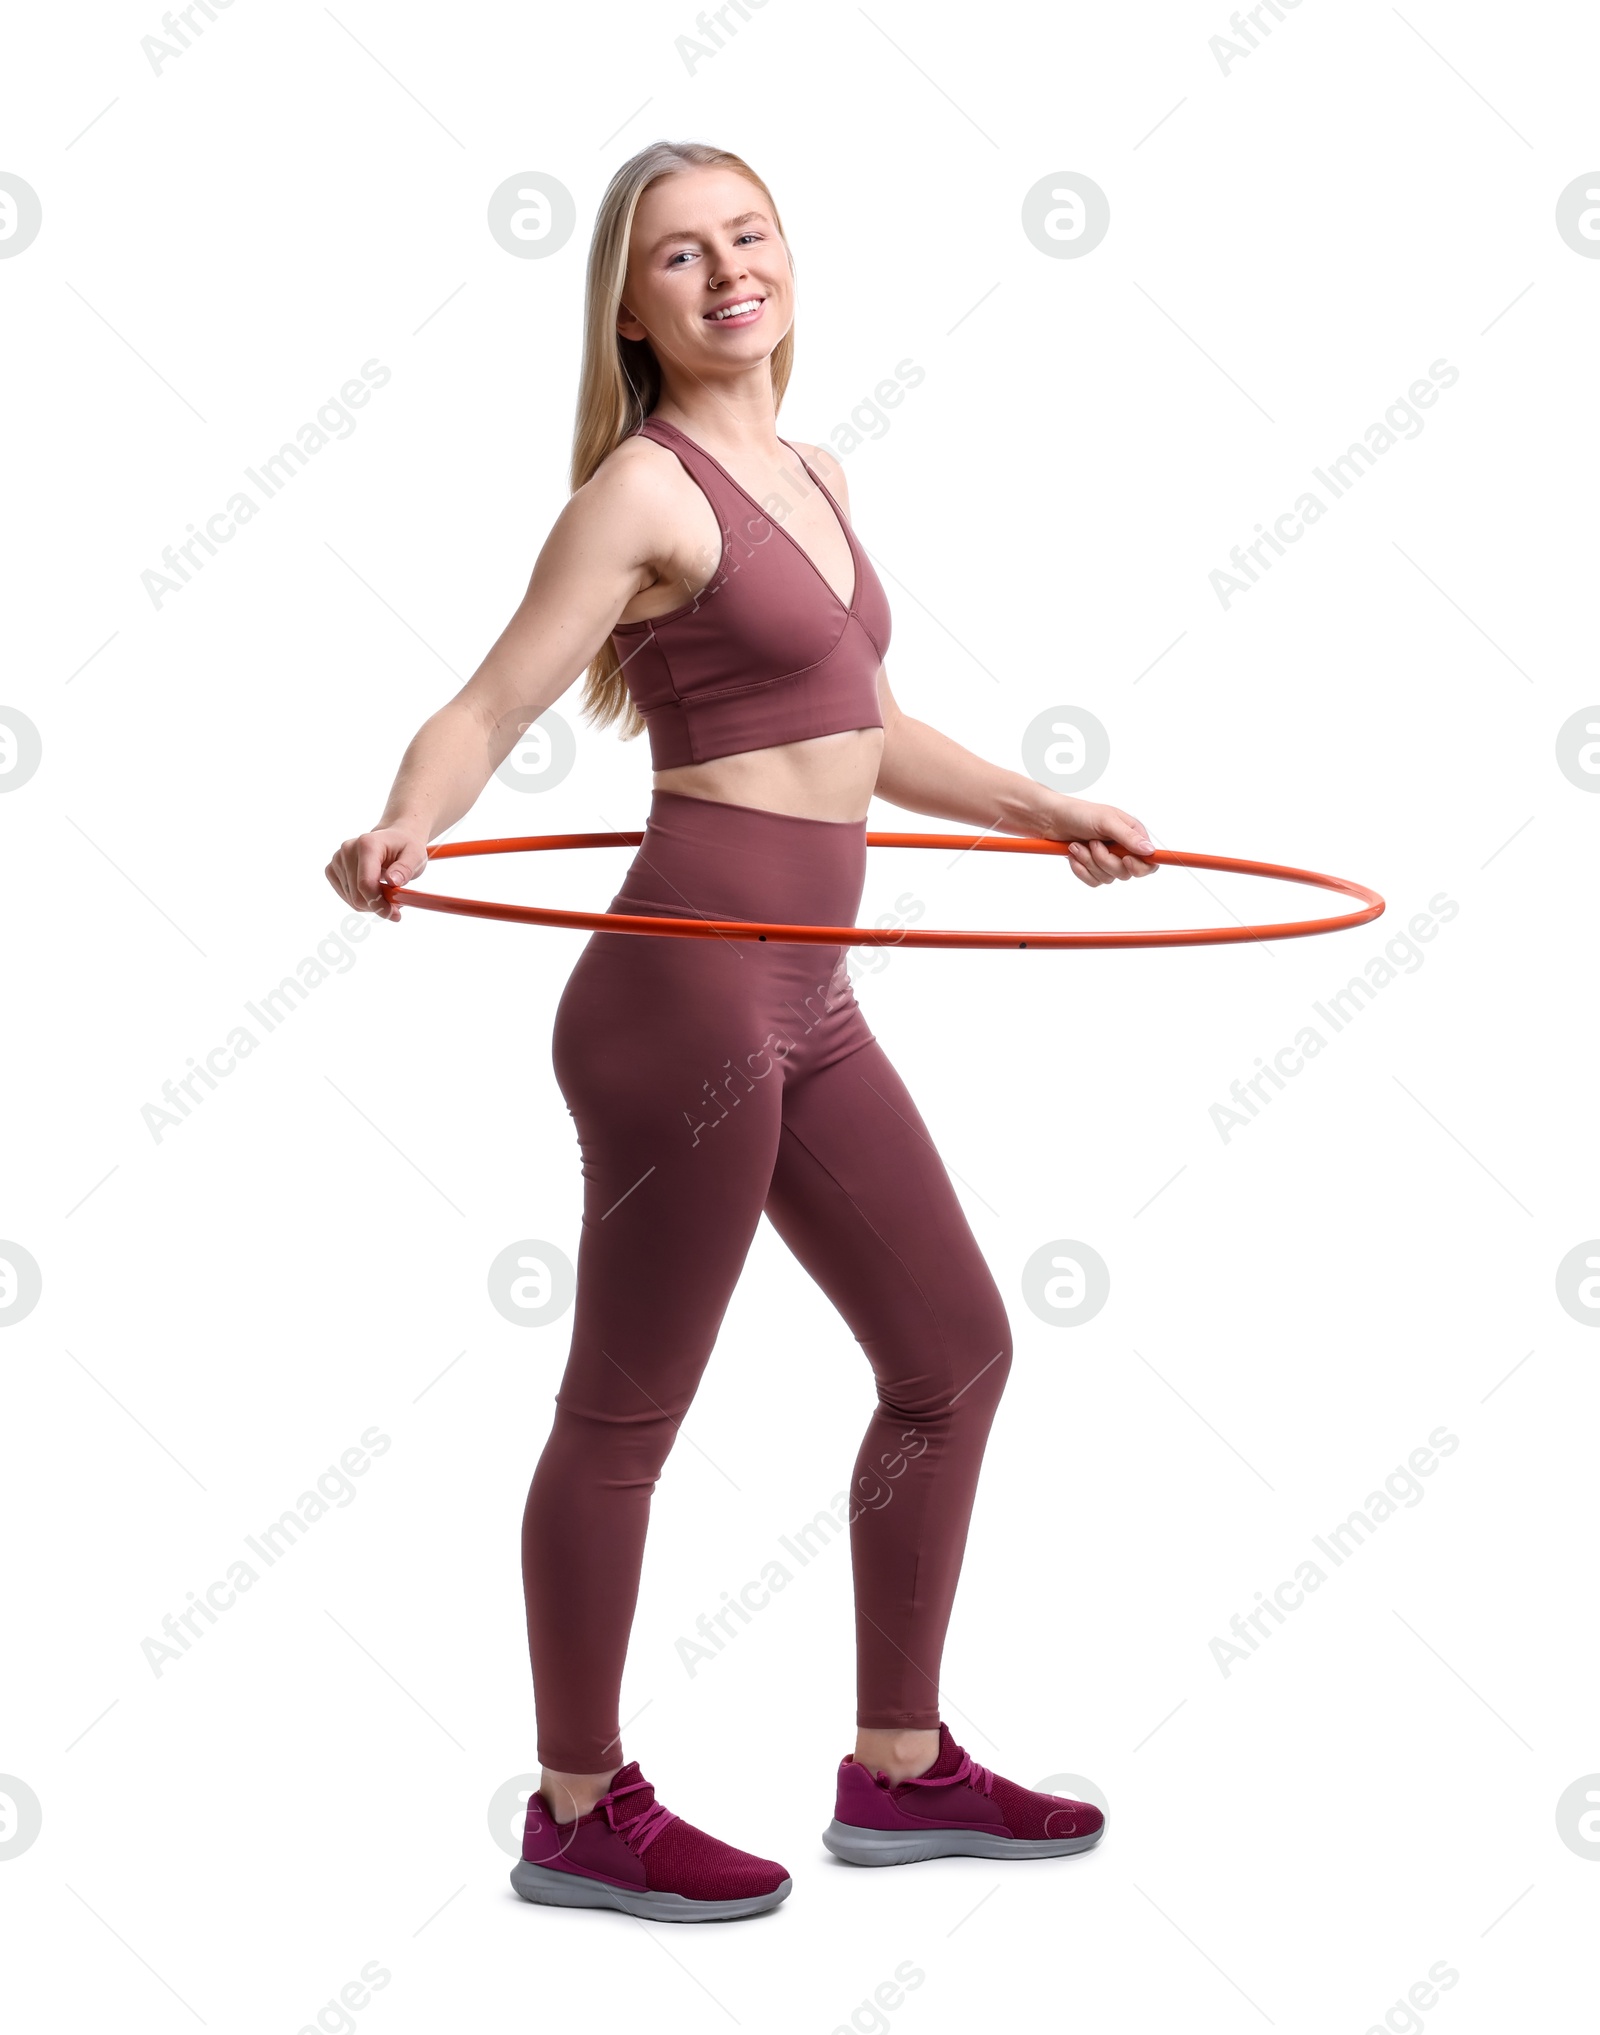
[822, 463]
[632, 497]
[638, 472]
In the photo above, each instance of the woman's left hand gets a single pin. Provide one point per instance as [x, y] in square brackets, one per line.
[1104, 842]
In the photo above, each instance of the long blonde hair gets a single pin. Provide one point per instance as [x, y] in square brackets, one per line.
[620, 383]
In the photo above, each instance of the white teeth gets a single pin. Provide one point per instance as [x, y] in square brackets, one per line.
[735, 310]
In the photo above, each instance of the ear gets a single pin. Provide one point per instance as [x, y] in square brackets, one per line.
[628, 326]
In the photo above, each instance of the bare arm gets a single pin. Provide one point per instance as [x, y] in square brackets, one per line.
[927, 772]
[595, 559]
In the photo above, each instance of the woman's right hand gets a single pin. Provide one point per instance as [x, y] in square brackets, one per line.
[393, 854]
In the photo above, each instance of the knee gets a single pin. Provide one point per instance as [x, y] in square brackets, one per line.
[990, 1364]
[964, 1389]
[602, 1449]
[980, 1345]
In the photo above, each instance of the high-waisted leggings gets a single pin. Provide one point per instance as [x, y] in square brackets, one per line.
[712, 1080]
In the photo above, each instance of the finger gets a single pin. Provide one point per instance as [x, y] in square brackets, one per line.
[396, 876]
[1138, 835]
[1123, 863]
[401, 870]
[1105, 860]
[368, 871]
[1126, 831]
[1078, 856]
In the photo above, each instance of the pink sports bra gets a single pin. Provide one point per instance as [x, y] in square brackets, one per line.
[766, 652]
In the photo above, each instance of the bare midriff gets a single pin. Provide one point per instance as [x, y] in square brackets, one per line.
[827, 777]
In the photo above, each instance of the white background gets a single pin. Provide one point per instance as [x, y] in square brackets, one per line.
[1292, 1310]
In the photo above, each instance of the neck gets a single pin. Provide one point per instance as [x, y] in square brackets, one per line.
[736, 414]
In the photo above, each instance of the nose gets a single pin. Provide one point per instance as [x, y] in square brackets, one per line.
[729, 269]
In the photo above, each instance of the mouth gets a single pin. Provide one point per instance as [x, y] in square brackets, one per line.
[745, 312]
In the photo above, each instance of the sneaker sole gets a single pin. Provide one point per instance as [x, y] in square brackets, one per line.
[857, 1845]
[567, 1890]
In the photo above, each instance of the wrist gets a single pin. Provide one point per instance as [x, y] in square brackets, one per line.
[1051, 815]
[418, 825]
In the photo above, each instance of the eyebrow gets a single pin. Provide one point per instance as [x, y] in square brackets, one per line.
[687, 232]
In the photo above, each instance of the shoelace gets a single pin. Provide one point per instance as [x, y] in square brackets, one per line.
[968, 1769]
[645, 1826]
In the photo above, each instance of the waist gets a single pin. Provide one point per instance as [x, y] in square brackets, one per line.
[710, 858]
[826, 777]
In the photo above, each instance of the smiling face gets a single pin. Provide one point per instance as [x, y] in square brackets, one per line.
[708, 283]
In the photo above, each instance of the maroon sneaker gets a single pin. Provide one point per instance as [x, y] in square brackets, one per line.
[632, 1854]
[956, 1809]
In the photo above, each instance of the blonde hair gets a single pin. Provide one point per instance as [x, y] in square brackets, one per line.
[620, 382]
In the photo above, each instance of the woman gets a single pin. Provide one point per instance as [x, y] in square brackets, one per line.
[713, 1080]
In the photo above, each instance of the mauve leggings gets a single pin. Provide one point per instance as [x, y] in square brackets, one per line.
[711, 1080]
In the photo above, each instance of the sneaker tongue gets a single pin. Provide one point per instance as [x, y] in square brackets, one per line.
[625, 1777]
[949, 1755]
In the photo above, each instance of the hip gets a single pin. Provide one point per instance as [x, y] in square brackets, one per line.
[631, 996]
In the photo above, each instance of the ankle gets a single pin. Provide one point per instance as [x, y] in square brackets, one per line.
[572, 1795]
[902, 1755]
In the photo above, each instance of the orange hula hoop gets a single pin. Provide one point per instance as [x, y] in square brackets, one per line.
[859, 936]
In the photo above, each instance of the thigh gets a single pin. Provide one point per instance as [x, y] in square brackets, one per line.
[677, 1128]
[863, 1200]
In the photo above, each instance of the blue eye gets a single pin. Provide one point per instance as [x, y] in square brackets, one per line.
[683, 254]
